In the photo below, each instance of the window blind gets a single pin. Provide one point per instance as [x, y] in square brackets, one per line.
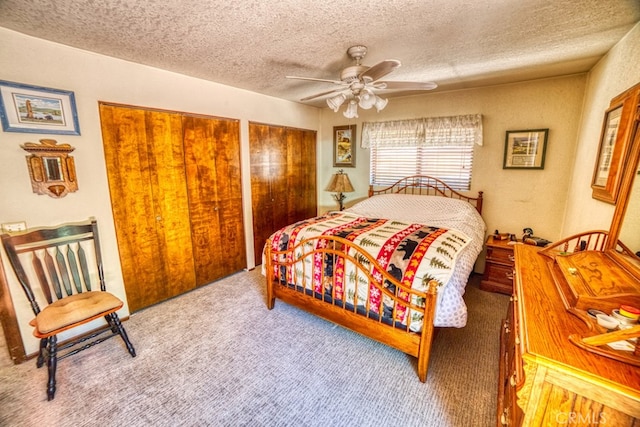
[438, 147]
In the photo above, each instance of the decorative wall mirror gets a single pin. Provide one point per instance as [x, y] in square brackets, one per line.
[615, 143]
[51, 168]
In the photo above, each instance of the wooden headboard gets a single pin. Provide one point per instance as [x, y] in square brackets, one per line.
[427, 186]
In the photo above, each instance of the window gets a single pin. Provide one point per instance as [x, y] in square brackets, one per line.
[452, 164]
[441, 147]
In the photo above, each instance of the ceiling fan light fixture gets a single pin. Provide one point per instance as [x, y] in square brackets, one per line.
[380, 103]
[352, 110]
[367, 99]
[358, 83]
[335, 102]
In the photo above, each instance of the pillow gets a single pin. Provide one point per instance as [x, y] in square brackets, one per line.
[436, 211]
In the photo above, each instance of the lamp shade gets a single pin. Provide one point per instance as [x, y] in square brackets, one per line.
[340, 183]
[335, 102]
[380, 103]
[367, 99]
[352, 110]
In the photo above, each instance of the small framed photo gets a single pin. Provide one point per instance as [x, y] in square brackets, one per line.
[34, 109]
[525, 149]
[344, 146]
[611, 155]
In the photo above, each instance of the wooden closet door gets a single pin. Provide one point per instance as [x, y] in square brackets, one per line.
[309, 175]
[264, 146]
[145, 168]
[212, 159]
[301, 174]
[283, 169]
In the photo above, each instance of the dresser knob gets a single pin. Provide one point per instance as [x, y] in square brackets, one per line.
[503, 418]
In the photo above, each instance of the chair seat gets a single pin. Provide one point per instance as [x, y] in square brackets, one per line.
[75, 309]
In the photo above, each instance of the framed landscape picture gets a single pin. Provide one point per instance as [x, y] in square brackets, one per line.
[525, 149]
[344, 148]
[34, 109]
[618, 128]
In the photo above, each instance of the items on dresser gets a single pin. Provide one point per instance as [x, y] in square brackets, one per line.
[530, 239]
[590, 283]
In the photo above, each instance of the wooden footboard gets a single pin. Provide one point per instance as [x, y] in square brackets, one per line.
[313, 276]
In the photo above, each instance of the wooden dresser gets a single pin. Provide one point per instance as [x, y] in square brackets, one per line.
[498, 269]
[544, 378]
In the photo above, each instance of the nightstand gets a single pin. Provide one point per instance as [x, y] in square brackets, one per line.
[498, 270]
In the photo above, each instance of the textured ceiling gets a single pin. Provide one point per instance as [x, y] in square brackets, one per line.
[253, 44]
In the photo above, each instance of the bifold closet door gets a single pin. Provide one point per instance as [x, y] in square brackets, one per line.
[283, 179]
[212, 159]
[145, 167]
[268, 150]
[301, 175]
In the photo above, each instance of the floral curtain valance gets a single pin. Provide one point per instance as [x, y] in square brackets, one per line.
[423, 132]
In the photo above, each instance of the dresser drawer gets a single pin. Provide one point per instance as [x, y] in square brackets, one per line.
[499, 273]
[502, 255]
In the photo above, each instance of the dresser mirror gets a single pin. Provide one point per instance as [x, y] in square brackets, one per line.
[630, 226]
[625, 226]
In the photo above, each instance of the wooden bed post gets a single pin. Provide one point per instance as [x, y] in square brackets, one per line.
[426, 337]
[479, 202]
[268, 274]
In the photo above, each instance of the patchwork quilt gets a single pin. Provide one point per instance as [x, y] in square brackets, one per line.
[413, 254]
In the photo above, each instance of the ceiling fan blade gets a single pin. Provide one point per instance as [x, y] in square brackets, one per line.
[405, 85]
[337, 82]
[379, 70]
[309, 98]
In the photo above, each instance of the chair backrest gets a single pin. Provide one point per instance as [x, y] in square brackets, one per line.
[62, 260]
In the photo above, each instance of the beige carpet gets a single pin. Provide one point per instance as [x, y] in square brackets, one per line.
[216, 356]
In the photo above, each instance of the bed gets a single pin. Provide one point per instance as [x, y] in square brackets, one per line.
[392, 267]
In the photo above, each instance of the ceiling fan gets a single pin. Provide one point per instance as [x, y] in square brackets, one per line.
[358, 83]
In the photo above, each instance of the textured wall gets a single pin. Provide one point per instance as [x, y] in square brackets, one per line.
[616, 72]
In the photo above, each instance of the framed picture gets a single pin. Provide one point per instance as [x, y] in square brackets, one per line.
[614, 144]
[525, 149]
[344, 148]
[34, 109]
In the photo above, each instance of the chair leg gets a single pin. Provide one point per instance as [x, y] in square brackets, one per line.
[116, 327]
[52, 362]
[42, 354]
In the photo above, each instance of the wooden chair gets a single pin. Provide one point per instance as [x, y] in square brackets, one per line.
[64, 261]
